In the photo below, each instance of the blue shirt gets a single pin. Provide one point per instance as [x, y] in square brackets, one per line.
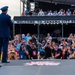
[18, 46]
[22, 54]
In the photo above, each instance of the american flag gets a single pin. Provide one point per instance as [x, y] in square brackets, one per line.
[41, 63]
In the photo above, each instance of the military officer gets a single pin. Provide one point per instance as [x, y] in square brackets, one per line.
[5, 25]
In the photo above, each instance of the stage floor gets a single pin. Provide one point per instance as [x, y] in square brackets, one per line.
[19, 67]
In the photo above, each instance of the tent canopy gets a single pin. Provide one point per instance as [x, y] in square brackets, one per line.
[70, 2]
[44, 19]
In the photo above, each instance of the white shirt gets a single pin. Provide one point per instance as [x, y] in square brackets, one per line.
[41, 13]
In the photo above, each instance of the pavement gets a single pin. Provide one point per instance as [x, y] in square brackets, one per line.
[19, 67]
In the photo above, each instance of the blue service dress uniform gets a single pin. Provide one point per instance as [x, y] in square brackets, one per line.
[5, 24]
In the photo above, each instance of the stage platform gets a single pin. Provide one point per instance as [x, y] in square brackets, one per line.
[21, 67]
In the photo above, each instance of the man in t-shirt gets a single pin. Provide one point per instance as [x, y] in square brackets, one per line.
[56, 52]
[34, 52]
[48, 50]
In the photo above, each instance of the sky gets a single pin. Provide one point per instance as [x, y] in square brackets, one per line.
[14, 7]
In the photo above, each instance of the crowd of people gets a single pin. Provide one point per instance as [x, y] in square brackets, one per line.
[61, 12]
[24, 47]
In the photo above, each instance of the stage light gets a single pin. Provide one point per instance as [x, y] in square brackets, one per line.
[61, 21]
[47, 23]
[36, 22]
[23, 22]
[26, 22]
[39, 22]
[73, 21]
[51, 23]
[42, 22]
[15, 22]
[57, 23]
[54, 23]
[70, 21]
